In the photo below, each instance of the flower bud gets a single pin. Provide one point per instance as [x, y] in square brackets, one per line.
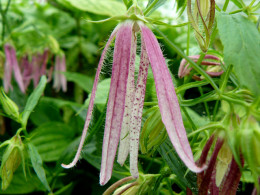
[9, 107]
[224, 159]
[11, 160]
[250, 143]
[204, 7]
[202, 19]
[211, 62]
[153, 133]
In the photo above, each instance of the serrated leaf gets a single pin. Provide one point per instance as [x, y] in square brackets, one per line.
[33, 100]
[38, 166]
[108, 7]
[83, 81]
[241, 42]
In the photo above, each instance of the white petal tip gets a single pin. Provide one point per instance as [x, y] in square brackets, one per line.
[103, 181]
[67, 166]
[199, 169]
[135, 174]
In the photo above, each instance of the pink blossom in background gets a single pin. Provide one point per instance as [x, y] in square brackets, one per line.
[60, 81]
[11, 66]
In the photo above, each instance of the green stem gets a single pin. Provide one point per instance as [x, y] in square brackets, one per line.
[205, 103]
[225, 5]
[236, 101]
[207, 127]
[237, 11]
[190, 61]
[148, 9]
[225, 79]
[188, 41]
[3, 14]
[150, 103]
[215, 110]
[193, 126]
[252, 3]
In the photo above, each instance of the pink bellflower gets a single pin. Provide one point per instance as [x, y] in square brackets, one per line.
[60, 81]
[126, 99]
[11, 66]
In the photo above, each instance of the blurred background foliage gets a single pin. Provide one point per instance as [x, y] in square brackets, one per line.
[56, 123]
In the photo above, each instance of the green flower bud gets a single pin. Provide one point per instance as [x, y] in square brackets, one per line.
[11, 160]
[204, 7]
[224, 159]
[153, 133]
[54, 45]
[250, 146]
[131, 189]
[9, 107]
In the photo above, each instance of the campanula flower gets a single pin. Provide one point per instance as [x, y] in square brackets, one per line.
[126, 99]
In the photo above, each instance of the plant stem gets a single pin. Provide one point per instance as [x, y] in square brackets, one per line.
[148, 9]
[188, 41]
[210, 126]
[225, 5]
[191, 62]
[3, 14]
[215, 110]
[205, 103]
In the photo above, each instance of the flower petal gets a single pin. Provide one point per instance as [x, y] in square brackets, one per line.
[16, 68]
[8, 69]
[91, 102]
[167, 100]
[116, 102]
[123, 149]
[136, 119]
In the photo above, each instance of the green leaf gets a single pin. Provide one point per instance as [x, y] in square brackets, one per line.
[33, 100]
[51, 139]
[153, 5]
[108, 7]
[38, 166]
[101, 94]
[241, 42]
[178, 168]
[83, 81]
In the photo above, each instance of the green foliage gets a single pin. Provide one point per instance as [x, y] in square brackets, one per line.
[33, 100]
[38, 166]
[241, 41]
[109, 8]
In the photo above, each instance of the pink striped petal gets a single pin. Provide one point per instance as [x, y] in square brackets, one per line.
[137, 111]
[56, 82]
[17, 71]
[62, 76]
[116, 102]
[44, 62]
[36, 69]
[60, 79]
[167, 100]
[91, 102]
[8, 68]
[123, 149]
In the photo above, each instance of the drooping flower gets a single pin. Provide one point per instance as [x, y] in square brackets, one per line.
[125, 104]
[11, 66]
[59, 79]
